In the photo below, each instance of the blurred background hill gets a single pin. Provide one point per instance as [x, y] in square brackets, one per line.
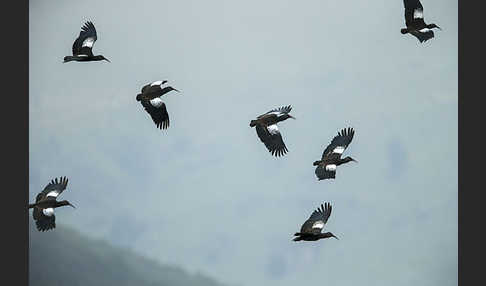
[66, 257]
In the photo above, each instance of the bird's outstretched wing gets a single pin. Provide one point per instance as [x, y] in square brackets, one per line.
[44, 222]
[159, 114]
[84, 43]
[271, 137]
[53, 189]
[414, 12]
[338, 144]
[326, 172]
[315, 223]
[423, 35]
[278, 111]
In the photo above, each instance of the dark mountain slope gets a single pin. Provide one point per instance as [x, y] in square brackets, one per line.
[65, 257]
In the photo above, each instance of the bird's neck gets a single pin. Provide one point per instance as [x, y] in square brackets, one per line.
[60, 204]
[325, 235]
[281, 118]
[344, 160]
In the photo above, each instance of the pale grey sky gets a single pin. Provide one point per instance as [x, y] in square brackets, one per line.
[206, 194]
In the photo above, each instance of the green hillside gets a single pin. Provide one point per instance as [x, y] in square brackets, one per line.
[65, 257]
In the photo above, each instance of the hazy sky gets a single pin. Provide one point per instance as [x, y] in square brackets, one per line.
[206, 194]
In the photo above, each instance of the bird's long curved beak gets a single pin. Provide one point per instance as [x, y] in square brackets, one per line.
[355, 161]
[335, 237]
[177, 90]
[439, 28]
[107, 60]
[292, 117]
[72, 205]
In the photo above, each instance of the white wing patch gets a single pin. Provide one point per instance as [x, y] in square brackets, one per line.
[159, 82]
[331, 167]
[424, 30]
[338, 150]
[48, 212]
[156, 102]
[88, 42]
[53, 194]
[318, 224]
[273, 129]
[418, 14]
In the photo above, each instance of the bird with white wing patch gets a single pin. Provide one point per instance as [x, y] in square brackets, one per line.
[46, 202]
[267, 129]
[151, 100]
[331, 157]
[311, 230]
[83, 45]
[414, 20]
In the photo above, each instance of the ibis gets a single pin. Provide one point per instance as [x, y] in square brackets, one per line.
[331, 157]
[151, 99]
[46, 202]
[311, 230]
[414, 20]
[267, 129]
[83, 45]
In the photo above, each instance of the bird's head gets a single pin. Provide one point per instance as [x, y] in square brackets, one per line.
[328, 234]
[65, 203]
[100, 57]
[316, 163]
[174, 89]
[348, 159]
[285, 116]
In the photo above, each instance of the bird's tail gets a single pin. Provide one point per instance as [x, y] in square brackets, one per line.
[139, 97]
[404, 31]
[31, 206]
[253, 123]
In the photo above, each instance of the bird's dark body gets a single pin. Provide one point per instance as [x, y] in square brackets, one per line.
[268, 119]
[311, 236]
[153, 92]
[49, 203]
[83, 59]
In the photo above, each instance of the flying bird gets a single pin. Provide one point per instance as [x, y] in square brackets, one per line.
[414, 20]
[311, 230]
[151, 99]
[83, 45]
[267, 129]
[331, 157]
[46, 202]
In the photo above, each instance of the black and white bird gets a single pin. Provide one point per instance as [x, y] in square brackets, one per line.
[267, 129]
[414, 20]
[311, 230]
[83, 45]
[46, 202]
[151, 100]
[331, 157]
